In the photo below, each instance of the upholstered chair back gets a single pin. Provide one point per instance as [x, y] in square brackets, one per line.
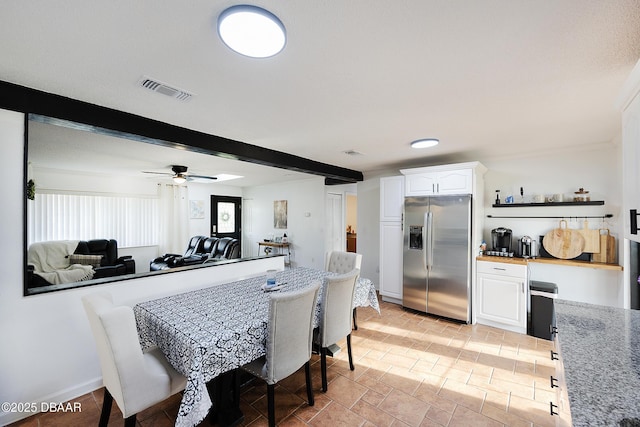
[290, 332]
[108, 248]
[209, 245]
[337, 307]
[343, 262]
[195, 246]
[136, 380]
[221, 247]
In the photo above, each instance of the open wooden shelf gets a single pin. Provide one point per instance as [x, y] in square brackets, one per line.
[521, 205]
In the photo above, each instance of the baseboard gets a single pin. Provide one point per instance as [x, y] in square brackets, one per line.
[62, 396]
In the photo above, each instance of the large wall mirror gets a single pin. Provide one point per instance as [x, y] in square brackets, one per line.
[95, 194]
[84, 156]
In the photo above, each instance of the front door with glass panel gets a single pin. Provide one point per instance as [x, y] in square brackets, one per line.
[226, 220]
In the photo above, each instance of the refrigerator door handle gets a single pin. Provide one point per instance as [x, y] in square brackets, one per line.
[429, 237]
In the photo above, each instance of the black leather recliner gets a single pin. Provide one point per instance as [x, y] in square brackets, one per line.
[110, 265]
[226, 248]
[193, 255]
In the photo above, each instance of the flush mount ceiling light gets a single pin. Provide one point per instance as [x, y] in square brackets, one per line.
[251, 31]
[425, 143]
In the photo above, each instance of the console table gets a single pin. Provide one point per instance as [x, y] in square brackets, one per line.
[280, 247]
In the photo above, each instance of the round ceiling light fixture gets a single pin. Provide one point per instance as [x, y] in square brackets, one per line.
[425, 143]
[251, 31]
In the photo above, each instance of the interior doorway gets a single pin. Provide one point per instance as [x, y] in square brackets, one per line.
[334, 214]
[352, 222]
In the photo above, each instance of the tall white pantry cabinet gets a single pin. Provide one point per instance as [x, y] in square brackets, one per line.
[461, 178]
[391, 206]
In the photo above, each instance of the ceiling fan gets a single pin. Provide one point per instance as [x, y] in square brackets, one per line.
[180, 174]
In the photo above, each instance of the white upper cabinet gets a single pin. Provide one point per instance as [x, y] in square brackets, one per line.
[428, 182]
[629, 103]
[391, 198]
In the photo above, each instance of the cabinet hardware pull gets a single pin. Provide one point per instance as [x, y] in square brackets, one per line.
[551, 409]
[553, 381]
[498, 268]
[554, 355]
[553, 329]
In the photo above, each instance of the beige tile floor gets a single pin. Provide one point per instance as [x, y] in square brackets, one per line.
[411, 370]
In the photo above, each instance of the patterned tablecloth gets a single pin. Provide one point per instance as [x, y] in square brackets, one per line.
[207, 332]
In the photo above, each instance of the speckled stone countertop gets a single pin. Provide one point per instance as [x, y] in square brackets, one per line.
[600, 350]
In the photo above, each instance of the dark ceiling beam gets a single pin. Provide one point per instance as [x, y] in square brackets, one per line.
[27, 100]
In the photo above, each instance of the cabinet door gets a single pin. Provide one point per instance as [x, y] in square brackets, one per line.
[631, 160]
[391, 198]
[455, 182]
[391, 261]
[421, 184]
[502, 300]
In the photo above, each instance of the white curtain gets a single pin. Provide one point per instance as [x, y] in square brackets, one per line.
[174, 218]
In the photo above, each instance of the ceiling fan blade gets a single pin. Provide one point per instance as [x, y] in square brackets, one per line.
[158, 173]
[201, 176]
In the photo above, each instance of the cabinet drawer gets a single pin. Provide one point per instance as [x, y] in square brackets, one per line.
[502, 268]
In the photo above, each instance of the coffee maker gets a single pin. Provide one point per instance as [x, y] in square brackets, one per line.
[501, 240]
[528, 247]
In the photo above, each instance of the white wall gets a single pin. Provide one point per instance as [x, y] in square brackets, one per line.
[48, 353]
[305, 226]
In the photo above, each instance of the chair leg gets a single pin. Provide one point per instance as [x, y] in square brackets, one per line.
[107, 401]
[307, 374]
[323, 367]
[130, 421]
[349, 351]
[355, 320]
[270, 405]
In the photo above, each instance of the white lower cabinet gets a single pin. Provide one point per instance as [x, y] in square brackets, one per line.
[501, 295]
[391, 261]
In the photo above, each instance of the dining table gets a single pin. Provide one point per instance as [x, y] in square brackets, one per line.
[212, 331]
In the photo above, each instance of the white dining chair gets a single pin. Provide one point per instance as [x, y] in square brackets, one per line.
[343, 262]
[335, 320]
[289, 339]
[136, 380]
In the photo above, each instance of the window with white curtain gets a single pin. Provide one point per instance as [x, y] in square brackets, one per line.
[131, 220]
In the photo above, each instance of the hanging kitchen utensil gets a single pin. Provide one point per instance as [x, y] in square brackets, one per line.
[591, 239]
[563, 242]
[607, 252]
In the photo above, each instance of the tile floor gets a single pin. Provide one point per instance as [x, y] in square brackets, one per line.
[411, 370]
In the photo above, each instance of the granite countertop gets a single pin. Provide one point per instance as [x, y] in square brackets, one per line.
[600, 351]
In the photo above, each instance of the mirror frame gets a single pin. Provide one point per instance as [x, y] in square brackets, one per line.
[98, 118]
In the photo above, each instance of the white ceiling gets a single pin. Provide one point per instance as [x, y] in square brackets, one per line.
[489, 78]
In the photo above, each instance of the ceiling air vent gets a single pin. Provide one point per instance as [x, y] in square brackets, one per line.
[165, 89]
[352, 153]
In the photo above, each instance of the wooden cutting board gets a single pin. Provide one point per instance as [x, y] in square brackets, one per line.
[607, 252]
[563, 242]
[591, 239]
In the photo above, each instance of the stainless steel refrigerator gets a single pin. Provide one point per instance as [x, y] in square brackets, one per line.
[437, 256]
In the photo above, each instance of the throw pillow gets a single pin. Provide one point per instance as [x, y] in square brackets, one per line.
[92, 260]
